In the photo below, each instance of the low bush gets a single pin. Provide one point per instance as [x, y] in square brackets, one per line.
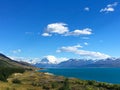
[16, 81]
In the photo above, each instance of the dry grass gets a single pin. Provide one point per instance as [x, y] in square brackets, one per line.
[32, 80]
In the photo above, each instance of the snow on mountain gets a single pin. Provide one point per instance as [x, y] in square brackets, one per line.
[50, 59]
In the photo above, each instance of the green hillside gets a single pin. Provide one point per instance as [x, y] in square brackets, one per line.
[9, 66]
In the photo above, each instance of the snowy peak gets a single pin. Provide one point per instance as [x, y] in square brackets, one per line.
[109, 62]
[49, 60]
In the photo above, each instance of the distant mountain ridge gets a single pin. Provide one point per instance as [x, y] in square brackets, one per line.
[71, 63]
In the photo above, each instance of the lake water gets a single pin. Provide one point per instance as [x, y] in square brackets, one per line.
[110, 75]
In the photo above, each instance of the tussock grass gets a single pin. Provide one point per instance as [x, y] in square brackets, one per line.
[32, 80]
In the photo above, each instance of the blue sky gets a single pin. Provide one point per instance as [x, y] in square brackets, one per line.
[60, 28]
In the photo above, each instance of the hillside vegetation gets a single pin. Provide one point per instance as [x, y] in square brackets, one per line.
[9, 66]
[7, 62]
[22, 76]
[33, 80]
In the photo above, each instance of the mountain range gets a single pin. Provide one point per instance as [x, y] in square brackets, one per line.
[72, 63]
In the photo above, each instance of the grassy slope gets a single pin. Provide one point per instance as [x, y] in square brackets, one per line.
[7, 62]
[31, 80]
[9, 66]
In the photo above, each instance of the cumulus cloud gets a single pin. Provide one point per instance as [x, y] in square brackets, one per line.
[87, 9]
[86, 31]
[88, 54]
[109, 7]
[55, 28]
[62, 29]
[16, 51]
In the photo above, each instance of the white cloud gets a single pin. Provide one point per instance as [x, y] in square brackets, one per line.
[69, 48]
[46, 34]
[55, 28]
[85, 43]
[62, 29]
[87, 9]
[16, 51]
[28, 60]
[84, 53]
[86, 31]
[109, 7]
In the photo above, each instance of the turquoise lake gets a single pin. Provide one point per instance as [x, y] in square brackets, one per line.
[110, 75]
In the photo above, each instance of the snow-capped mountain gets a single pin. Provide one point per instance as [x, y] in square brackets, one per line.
[109, 62]
[75, 63]
[51, 61]
[48, 61]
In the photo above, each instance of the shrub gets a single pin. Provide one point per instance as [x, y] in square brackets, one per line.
[65, 85]
[47, 87]
[16, 81]
[90, 82]
[54, 85]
